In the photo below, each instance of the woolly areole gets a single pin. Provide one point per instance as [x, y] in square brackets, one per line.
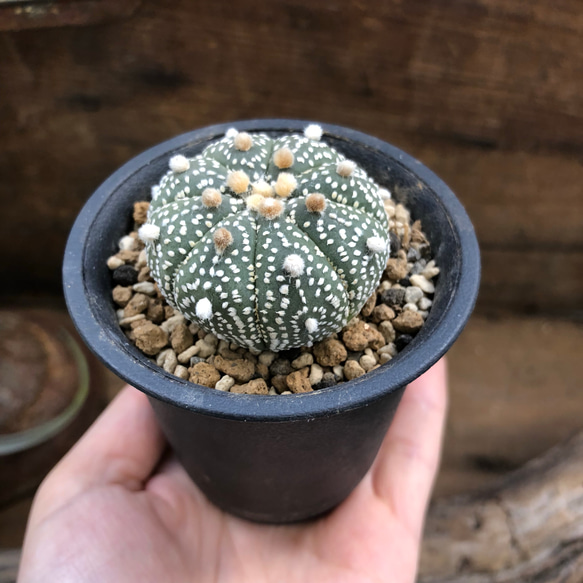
[271, 243]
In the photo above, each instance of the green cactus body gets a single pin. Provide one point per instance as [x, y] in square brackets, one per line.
[268, 243]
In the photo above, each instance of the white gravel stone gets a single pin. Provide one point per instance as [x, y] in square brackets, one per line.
[127, 243]
[423, 283]
[367, 362]
[128, 321]
[338, 370]
[412, 307]
[145, 287]
[425, 303]
[424, 314]
[385, 357]
[225, 383]
[170, 361]
[316, 374]
[120, 315]
[181, 372]
[389, 348]
[272, 391]
[185, 356]
[305, 359]
[413, 294]
[431, 270]
[114, 262]
[161, 356]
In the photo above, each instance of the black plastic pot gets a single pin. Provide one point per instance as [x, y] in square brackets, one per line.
[274, 458]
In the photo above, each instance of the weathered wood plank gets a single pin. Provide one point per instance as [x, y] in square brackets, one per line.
[515, 392]
[527, 528]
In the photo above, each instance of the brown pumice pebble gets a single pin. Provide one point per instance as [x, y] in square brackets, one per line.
[204, 374]
[298, 381]
[254, 387]
[122, 295]
[330, 352]
[241, 370]
[408, 322]
[181, 338]
[140, 214]
[150, 339]
[136, 305]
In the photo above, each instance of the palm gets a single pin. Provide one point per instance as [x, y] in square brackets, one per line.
[108, 524]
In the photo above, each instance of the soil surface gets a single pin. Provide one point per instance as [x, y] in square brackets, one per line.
[389, 320]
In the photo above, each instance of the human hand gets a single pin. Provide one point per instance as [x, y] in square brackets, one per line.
[116, 510]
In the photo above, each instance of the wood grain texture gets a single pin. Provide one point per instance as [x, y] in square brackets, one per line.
[527, 528]
[488, 93]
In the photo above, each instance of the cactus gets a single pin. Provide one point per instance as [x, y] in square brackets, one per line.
[271, 243]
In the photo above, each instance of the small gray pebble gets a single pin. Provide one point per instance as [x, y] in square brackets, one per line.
[395, 244]
[413, 254]
[417, 267]
[195, 360]
[328, 380]
[280, 366]
[413, 294]
[393, 297]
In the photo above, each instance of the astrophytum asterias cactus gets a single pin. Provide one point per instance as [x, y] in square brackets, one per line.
[271, 243]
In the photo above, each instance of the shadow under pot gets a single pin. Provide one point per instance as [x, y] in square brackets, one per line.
[270, 458]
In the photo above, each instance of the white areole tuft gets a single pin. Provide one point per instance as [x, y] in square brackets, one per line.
[149, 233]
[311, 325]
[313, 132]
[294, 265]
[376, 244]
[204, 309]
[179, 164]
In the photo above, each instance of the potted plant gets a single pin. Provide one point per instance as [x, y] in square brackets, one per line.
[273, 459]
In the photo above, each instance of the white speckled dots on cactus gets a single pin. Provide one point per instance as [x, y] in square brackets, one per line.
[239, 244]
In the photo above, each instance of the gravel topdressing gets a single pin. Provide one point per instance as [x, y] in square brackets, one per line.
[389, 320]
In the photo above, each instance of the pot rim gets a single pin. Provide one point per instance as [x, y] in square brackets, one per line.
[116, 352]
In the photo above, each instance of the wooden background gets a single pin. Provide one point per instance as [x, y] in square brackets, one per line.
[488, 93]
